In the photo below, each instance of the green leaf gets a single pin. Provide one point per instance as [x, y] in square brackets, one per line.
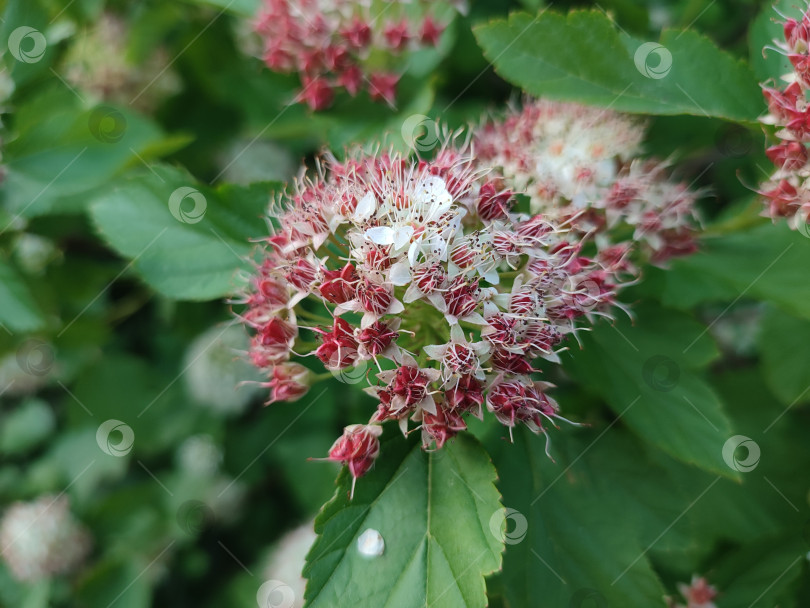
[19, 311]
[764, 263]
[243, 8]
[115, 582]
[762, 575]
[62, 150]
[647, 374]
[581, 57]
[26, 427]
[764, 30]
[785, 347]
[433, 512]
[187, 241]
[582, 533]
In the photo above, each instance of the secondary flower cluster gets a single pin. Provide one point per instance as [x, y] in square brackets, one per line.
[698, 594]
[579, 166]
[41, 539]
[788, 191]
[99, 62]
[488, 292]
[343, 44]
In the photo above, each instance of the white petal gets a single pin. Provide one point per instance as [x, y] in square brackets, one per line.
[408, 360]
[400, 273]
[428, 404]
[457, 334]
[382, 235]
[553, 357]
[435, 351]
[438, 301]
[395, 308]
[412, 294]
[402, 236]
[366, 206]
[492, 276]
[369, 319]
[413, 252]
[475, 318]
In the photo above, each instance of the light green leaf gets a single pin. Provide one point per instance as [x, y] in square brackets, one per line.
[19, 311]
[186, 240]
[433, 512]
[647, 374]
[581, 57]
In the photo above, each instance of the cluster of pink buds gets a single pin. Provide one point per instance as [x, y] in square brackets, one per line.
[580, 166]
[788, 191]
[698, 594]
[490, 292]
[350, 45]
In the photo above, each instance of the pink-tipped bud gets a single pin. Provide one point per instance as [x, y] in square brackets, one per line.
[357, 448]
[288, 382]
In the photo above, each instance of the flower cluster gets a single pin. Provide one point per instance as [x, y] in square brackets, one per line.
[100, 63]
[788, 190]
[579, 166]
[343, 44]
[489, 291]
[41, 539]
[698, 594]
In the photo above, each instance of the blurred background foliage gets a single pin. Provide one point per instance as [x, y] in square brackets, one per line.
[143, 334]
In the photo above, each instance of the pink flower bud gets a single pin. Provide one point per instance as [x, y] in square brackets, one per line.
[383, 87]
[397, 35]
[377, 338]
[288, 382]
[493, 203]
[357, 448]
[339, 286]
[272, 343]
[431, 32]
[357, 33]
[317, 93]
[339, 348]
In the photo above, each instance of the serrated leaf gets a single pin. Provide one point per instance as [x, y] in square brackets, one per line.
[647, 373]
[583, 537]
[187, 252]
[433, 512]
[763, 263]
[581, 57]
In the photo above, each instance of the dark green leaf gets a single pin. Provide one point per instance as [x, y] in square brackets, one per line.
[647, 374]
[785, 346]
[581, 57]
[764, 263]
[583, 534]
